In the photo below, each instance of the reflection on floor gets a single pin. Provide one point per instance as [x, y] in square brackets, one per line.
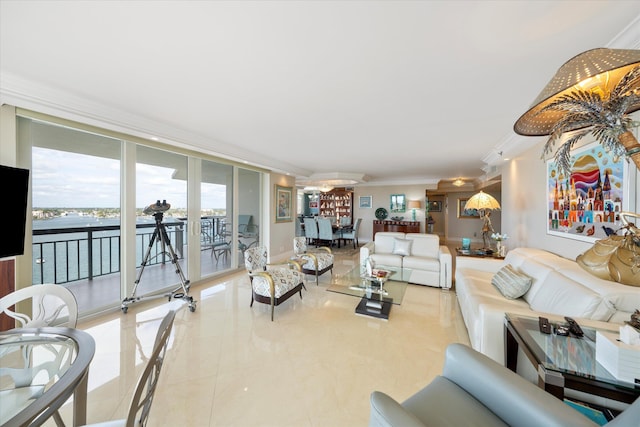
[229, 365]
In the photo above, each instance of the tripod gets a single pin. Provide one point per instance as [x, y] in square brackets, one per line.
[160, 233]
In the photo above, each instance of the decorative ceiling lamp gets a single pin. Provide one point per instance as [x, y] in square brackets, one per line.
[483, 203]
[593, 92]
[458, 182]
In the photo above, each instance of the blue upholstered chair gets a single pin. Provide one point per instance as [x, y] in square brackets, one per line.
[353, 234]
[325, 231]
[317, 261]
[311, 230]
[271, 284]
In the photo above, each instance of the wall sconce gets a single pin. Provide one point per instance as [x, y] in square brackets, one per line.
[413, 205]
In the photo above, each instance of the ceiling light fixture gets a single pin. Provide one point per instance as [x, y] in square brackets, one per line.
[458, 182]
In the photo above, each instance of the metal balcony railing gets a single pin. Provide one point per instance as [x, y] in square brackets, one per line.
[62, 255]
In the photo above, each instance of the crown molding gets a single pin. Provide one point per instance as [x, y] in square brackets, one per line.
[23, 93]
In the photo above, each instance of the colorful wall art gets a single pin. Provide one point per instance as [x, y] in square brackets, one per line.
[586, 204]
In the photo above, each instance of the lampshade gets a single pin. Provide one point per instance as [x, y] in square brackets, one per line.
[414, 204]
[482, 201]
[597, 69]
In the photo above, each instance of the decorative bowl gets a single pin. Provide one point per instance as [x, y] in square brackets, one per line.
[381, 213]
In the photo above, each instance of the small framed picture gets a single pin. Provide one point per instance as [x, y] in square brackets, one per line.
[435, 206]
[466, 213]
[366, 202]
[283, 203]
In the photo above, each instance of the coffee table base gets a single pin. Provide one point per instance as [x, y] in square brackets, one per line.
[380, 313]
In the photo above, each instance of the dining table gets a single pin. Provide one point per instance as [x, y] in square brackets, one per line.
[40, 368]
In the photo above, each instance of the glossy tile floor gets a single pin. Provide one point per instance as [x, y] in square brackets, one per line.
[230, 365]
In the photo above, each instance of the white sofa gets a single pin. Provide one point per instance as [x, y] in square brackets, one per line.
[420, 255]
[560, 287]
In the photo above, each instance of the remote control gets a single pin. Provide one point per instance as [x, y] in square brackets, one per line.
[545, 326]
[574, 328]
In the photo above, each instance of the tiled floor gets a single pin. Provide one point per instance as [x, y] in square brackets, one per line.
[229, 365]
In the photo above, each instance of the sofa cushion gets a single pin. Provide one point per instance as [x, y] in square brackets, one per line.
[424, 245]
[401, 247]
[511, 283]
[385, 240]
[561, 295]
[386, 259]
[538, 272]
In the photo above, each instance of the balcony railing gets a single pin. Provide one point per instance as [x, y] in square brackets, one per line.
[62, 255]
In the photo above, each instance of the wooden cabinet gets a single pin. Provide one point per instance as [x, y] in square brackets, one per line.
[398, 226]
[337, 202]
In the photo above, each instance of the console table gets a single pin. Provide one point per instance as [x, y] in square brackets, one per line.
[398, 226]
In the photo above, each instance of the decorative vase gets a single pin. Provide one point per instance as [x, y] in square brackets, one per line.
[499, 248]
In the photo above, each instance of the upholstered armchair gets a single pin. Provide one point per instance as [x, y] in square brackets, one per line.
[317, 261]
[271, 284]
[475, 390]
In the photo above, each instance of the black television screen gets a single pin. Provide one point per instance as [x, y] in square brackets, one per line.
[14, 210]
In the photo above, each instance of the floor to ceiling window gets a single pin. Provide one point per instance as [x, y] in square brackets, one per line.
[76, 211]
[216, 201]
[161, 211]
[249, 211]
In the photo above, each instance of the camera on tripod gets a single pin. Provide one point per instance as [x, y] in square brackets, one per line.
[157, 207]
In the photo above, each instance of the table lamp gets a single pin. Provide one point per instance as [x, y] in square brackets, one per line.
[413, 205]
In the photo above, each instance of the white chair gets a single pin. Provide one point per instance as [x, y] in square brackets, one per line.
[53, 305]
[271, 284]
[143, 395]
[315, 262]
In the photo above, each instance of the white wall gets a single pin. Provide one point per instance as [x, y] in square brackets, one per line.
[278, 235]
[382, 199]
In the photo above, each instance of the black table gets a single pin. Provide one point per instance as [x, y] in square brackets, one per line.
[62, 356]
[563, 361]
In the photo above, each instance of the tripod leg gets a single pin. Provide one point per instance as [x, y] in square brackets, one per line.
[183, 280]
[145, 261]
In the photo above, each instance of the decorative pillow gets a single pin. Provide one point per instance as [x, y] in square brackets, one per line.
[511, 283]
[402, 247]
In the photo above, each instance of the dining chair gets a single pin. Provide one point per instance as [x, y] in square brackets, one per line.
[271, 284]
[52, 305]
[311, 230]
[316, 262]
[138, 412]
[353, 234]
[325, 231]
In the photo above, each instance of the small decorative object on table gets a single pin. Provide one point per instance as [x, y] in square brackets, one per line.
[500, 248]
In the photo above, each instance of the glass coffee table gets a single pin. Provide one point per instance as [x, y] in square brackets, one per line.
[563, 361]
[377, 293]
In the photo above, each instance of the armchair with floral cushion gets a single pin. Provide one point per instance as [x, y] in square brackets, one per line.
[316, 261]
[272, 284]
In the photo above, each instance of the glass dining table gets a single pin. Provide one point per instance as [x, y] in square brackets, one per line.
[40, 368]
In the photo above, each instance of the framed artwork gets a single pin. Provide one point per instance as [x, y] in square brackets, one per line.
[284, 197]
[398, 203]
[366, 201]
[466, 213]
[588, 201]
[435, 206]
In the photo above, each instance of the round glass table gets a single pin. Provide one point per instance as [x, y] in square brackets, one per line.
[40, 368]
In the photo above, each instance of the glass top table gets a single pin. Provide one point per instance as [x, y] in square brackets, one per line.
[563, 361]
[40, 368]
[360, 285]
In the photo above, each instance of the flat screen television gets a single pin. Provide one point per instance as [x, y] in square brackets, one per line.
[13, 210]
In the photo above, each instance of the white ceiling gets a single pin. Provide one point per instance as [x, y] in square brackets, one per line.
[399, 91]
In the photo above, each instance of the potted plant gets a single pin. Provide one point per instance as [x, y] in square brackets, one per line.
[602, 114]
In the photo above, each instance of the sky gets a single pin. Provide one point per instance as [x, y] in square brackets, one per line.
[70, 180]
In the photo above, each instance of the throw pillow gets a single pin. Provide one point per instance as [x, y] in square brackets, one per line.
[511, 283]
[402, 247]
